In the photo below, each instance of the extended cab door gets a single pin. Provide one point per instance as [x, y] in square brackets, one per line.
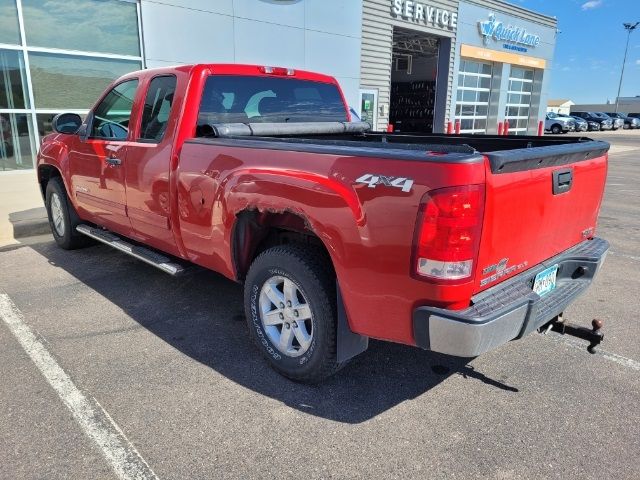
[96, 163]
[148, 167]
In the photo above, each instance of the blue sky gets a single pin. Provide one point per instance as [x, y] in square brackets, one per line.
[590, 48]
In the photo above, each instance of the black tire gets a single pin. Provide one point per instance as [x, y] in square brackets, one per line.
[309, 270]
[626, 126]
[556, 129]
[69, 238]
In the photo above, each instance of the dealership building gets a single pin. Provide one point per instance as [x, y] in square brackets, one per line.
[414, 64]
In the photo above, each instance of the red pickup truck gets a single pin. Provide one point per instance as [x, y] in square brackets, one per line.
[455, 244]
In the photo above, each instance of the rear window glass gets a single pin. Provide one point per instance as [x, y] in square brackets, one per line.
[244, 99]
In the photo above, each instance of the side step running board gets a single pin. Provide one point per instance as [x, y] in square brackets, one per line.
[141, 253]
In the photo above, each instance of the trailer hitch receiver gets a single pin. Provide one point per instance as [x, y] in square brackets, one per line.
[593, 335]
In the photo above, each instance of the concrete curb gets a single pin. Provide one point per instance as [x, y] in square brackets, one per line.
[29, 223]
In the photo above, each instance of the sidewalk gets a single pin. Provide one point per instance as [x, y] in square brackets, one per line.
[22, 212]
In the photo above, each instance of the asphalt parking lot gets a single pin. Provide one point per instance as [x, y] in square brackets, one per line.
[162, 375]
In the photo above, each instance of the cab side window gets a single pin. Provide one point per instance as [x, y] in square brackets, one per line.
[112, 115]
[157, 107]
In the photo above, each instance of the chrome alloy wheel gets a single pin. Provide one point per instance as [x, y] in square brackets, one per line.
[286, 316]
[56, 214]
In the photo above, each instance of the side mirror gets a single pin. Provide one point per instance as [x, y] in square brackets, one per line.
[68, 123]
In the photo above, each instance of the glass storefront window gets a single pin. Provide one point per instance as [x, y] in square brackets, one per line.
[80, 32]
[67, 82]
[44, 123]
[13, 93]
[107, 26]
[472, 97]
[16, 141]
[9, 29]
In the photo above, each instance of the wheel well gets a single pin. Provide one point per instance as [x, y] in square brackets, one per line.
[255, 231]
[46, 173]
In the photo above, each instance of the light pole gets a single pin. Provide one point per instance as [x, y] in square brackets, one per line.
[629, 27]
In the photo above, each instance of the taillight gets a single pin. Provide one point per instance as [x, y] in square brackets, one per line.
[287, 72]
[448, 233]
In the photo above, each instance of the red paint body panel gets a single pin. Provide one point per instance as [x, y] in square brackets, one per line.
[184, 197]
[526, 223]
[368, 232]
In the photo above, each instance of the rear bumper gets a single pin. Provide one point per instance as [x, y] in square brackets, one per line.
[510, 309]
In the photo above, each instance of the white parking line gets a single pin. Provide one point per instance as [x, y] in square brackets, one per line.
[622, 149]
[613, 357]
[96, 423]
[631, 257]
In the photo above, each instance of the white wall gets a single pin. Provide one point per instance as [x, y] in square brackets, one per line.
[564, 110]
[316, 35]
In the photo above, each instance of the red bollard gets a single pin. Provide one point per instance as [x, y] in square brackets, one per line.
[506, 127]
[390, 128]
[458, 127]
[449, 128]
[500, 128]
[540, 128]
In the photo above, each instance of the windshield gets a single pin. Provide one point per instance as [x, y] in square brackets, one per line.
[601, 115]
[250, 99]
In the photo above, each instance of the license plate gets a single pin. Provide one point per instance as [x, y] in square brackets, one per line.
[545, 281]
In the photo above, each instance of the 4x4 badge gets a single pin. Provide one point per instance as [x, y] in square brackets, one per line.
[372, 181]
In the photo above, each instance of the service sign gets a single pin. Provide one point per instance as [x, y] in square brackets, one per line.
[423, 13]
[514, 37]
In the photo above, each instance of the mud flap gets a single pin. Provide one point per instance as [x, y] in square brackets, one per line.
[350, 344]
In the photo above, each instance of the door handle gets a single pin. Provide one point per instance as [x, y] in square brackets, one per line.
[113, 161]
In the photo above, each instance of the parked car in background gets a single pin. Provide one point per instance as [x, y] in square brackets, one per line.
[617, 122]
[629, 121]
[581, 124]
[604, 122]
[554, 123]
[634, 115]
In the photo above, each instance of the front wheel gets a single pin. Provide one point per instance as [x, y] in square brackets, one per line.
[290, 303]
[63, 218]
[556, 129]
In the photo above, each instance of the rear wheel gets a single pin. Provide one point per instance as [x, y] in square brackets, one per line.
[290, 303]
[63, 218]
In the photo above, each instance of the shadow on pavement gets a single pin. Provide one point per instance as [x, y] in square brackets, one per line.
[201, 315]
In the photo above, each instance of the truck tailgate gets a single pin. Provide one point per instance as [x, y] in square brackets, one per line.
[539, 202]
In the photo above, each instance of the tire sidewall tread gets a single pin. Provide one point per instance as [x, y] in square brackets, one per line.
[71, 239]
[307, 267]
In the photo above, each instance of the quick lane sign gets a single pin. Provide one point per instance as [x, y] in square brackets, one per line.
[423, 13]
[494, 29]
